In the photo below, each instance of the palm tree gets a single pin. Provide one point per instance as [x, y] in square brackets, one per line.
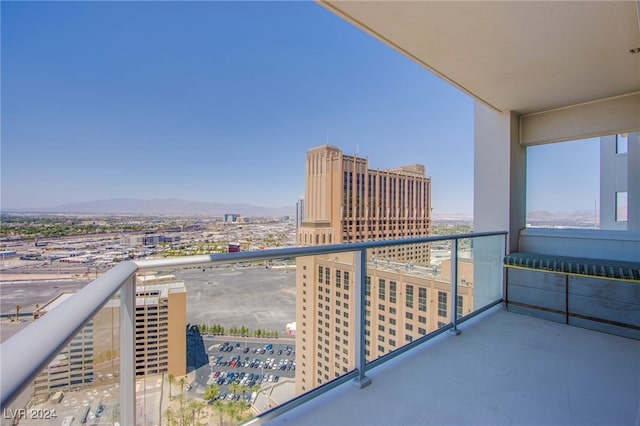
[243, 389]
[182, 381]
[211, 392]
[169, 415]
[234, 388]
[242, 407]
[18, 313]
[221, 408]
[255, 388]
[195, 407]
[170, 378]
[181, 410]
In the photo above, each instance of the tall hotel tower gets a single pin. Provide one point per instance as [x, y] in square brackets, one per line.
[345, 202]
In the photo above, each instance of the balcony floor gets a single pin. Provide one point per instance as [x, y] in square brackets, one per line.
[504, 369]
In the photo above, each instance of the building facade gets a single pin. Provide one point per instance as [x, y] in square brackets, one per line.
[406, 296]
[345, 202]
[161, 328]
[73, 367]
[620, 181]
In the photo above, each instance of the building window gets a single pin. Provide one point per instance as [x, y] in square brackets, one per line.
[320, 269]
[622, 143]
[327, 276]
[422, 331]
[392, 310]
[346, 280]
[381, 307]
[409, 296]
[381, 327]
[422, 319]
[392, 291]
[408, 327]
[442, 304]
[459, 305]
[392, 342]
[392, 331]
[381, 289]
[408, 338]
[621, 206]
[408, 315]
[338, 278]
[392, 321]
[422, 299]
[380, 317]
[367, 287]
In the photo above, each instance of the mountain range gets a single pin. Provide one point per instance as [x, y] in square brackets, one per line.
[163, 206]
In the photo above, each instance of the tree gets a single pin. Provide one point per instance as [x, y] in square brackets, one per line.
[182, 381]
[170, 378]
[169, 416]
[211, 392]
[222, 409]
[255, 388]
[195, 407]
[18, 313]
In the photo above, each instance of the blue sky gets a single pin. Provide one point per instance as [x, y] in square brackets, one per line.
[212, 101]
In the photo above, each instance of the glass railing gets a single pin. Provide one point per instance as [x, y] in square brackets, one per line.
[230, 337]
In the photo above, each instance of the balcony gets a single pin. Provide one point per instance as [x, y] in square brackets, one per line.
[503, 368]
[34, 348]
[533, 85]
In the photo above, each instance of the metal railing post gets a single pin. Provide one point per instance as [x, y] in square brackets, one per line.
[360, 287]
[128, 352]
[454, 288]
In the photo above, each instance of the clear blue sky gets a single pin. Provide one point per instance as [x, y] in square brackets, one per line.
[212, 101]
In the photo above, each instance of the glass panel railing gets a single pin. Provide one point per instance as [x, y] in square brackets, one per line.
[406, 295]
[81, 384]
[224, 342]
[480, 271]
[216, 342]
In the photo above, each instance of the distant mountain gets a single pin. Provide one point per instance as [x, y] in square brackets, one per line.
[577, 217]
[164, 206]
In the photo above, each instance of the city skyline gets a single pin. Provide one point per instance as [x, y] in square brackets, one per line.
[214, 102]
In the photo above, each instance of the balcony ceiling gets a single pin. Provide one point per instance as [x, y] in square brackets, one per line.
[521, 56]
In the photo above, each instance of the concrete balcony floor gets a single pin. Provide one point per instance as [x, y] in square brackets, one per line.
[504, 369]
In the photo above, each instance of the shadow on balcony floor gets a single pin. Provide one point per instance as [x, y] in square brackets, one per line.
[504, 369]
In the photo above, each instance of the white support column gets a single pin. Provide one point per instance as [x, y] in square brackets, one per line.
[128, 352]
[499, 196]
[633, 173]
[499, 174]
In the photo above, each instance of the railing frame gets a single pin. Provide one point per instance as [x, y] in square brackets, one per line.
[24, 355]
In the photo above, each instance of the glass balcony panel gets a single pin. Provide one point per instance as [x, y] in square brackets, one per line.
[82, 381]
[480, 272]
[229, 346]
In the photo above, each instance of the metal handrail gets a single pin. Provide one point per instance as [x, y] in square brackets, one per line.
[24, 355]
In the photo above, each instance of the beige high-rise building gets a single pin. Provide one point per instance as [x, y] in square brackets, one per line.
[161, 342]
[161, 327]
[345, 201]
[406, 296]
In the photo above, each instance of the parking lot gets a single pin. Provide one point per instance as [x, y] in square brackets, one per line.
[248, 362]
[236, 295]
